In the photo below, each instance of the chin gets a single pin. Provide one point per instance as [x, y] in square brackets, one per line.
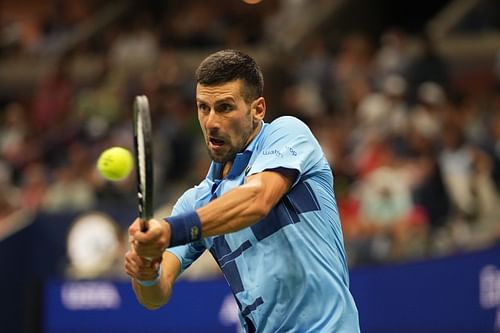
[221, 158]
[217, 158]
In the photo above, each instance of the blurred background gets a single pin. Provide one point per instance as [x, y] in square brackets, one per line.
[404, 98]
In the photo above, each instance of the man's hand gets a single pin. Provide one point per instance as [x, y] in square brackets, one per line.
[140, 268]
[153, 242]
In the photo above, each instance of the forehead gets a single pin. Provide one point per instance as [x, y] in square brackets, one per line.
[214, 93]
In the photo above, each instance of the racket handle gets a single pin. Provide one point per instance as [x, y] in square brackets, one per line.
[144, 225]
[144, 228]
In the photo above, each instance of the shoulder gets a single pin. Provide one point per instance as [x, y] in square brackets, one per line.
[288, 128]
[188, 195]
[196, 191]
[187, 201]
[289, 122]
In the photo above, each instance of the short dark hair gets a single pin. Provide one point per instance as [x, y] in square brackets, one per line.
[230, 65]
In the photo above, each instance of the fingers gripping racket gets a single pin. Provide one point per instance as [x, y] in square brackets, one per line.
[143, 144]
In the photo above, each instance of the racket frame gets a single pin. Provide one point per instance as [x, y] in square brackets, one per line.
[143, 144]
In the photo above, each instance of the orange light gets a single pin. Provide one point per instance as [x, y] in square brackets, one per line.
[252, 2]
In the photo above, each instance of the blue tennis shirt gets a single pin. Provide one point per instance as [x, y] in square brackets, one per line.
[288, 272]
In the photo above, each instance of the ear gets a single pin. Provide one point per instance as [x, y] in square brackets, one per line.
[259, 109]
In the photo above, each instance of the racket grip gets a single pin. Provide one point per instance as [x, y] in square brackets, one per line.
[144, 225]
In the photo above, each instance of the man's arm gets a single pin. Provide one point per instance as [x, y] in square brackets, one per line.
[152, 297]
[232, 211]
[246, 204]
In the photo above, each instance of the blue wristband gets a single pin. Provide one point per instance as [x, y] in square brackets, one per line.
[150, 283]
[185, 228]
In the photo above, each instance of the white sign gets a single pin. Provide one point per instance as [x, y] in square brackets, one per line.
[489, 291]
[90, 296]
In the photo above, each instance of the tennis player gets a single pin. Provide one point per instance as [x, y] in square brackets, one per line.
[266, 211]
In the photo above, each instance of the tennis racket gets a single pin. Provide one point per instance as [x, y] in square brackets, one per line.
[143, 144]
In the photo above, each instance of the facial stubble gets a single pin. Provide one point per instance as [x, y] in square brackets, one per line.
[231, 154]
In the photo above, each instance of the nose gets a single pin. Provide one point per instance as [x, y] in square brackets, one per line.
[212, 120]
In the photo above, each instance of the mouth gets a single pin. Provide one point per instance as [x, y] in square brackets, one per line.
[216, 142]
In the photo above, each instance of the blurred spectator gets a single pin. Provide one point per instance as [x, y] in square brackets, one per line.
[426, 116]
[79, 159]
[428, 66]
[18, 144]
[389, 224]
[52, 102]
[494, 145]
[67, 192]
[313, 65]
[13, 134]
[426, 179]
[33, 186]
[113, 195]
[193, 24]
[393, 56]
[369, 153]
[467, 175]
[12, 214]
[99, 106]
[311, 80]
[136, 46]
[385, 111]
[350, 71]
[303, 100]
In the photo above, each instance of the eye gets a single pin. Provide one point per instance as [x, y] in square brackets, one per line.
[225, 107]
[203, 107]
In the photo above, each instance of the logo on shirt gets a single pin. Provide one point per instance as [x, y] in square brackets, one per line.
[278, 153]
[291, 150]
[272, 152]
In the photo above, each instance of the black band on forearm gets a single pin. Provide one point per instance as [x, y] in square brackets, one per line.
[185, 228]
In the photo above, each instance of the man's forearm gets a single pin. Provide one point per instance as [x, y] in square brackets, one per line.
[233, 211]
[157, 295]
[152, 297]
[244, 205]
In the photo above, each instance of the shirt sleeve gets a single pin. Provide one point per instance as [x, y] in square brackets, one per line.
[288, 144]
[188, 253]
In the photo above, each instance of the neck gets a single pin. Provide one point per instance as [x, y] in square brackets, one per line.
[226, 168]
[229, 164]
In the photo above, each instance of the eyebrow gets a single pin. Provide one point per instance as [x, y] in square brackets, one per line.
[220, 101]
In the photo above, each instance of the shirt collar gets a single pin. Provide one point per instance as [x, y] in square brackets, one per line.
[240, 161]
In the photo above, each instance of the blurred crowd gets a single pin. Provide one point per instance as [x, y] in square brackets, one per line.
[416, 155]
[415, 151]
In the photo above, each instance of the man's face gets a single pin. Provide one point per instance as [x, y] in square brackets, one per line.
[227, 121]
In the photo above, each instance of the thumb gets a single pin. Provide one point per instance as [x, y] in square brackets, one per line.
[134, 227]
[143, 237]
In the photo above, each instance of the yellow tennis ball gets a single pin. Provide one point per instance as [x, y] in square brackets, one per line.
[115, 163]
